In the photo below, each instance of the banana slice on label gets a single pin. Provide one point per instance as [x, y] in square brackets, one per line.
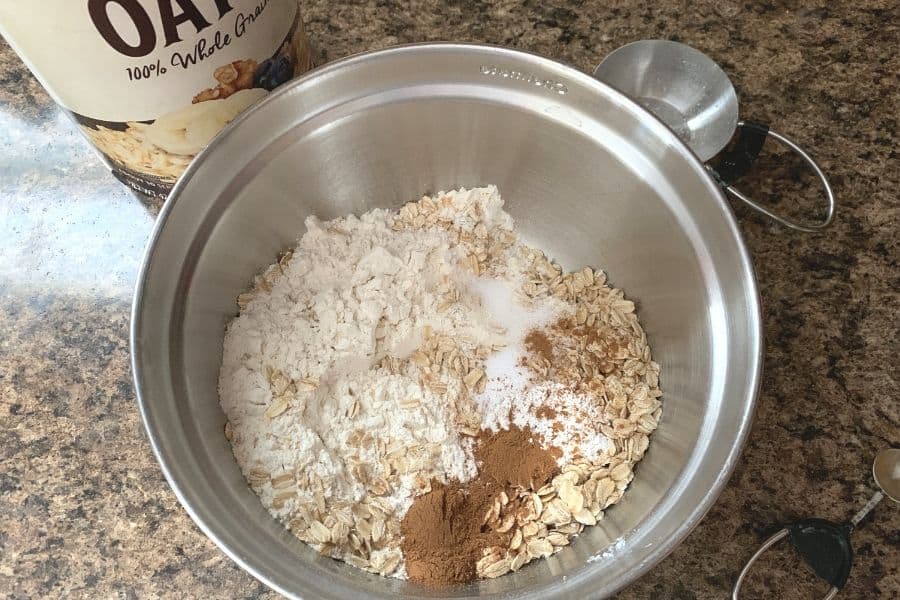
[188, 130]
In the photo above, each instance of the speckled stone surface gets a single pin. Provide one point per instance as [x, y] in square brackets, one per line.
[84, 509]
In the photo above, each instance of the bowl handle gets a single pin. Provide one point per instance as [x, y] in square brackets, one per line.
[738, 162]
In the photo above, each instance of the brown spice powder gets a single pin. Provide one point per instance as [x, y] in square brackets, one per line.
[515, 457]
[577, 356]
[546, 412]
[538, 344]
[442, 533]
[443, 530]
[566, 348]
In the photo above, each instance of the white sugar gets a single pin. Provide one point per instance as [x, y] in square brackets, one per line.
[563, 419]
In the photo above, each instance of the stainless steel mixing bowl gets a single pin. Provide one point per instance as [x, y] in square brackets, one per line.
[588, 175]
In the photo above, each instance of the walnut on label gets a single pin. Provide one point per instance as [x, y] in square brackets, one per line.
[232, 78]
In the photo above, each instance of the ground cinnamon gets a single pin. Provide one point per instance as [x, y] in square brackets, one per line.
[515, 457]
[546, 412]
[444, 532]
[579, 357]
[442, 536]
[571, 353]
[539, 345]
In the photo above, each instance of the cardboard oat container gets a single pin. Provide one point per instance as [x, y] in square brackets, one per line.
[150, 82]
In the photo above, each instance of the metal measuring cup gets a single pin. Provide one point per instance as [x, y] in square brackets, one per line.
[825, 545]
[693, 96]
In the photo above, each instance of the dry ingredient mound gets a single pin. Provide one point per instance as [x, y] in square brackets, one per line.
[443, 531]
[420, 394]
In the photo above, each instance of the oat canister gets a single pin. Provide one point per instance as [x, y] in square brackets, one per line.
[150, 82]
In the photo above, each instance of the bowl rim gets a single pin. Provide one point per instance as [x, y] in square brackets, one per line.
[659, 551]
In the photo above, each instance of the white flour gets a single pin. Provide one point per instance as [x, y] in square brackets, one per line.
[354, 292]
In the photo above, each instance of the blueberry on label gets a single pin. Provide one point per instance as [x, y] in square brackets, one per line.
[273, 72]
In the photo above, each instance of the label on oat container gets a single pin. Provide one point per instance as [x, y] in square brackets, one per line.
[150, 82]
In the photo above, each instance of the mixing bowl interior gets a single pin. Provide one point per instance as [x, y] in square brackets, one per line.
[589, 177]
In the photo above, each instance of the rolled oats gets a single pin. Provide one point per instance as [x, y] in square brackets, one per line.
[613, 363]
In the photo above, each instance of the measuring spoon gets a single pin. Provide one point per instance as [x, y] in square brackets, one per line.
[825, 545]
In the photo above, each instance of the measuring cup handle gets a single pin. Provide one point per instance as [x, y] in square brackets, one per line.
[807, 227]
[765, 546]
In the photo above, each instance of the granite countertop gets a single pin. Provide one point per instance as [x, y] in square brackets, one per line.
[84, 508]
